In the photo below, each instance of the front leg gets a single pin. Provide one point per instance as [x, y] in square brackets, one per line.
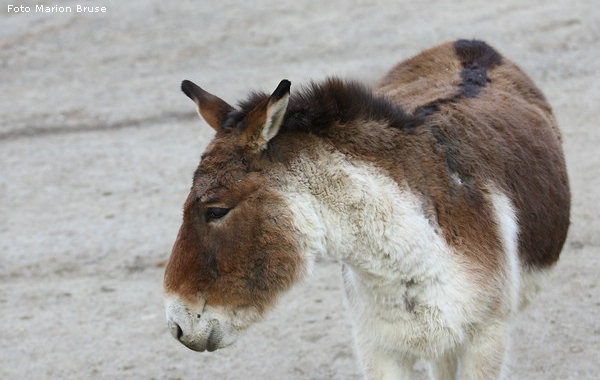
[483, 358]
[381, 365]
[378, 346]
[444, 367]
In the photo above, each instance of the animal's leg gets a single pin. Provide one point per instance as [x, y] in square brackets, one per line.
[380, 365]
[444, 368]
[484, 357]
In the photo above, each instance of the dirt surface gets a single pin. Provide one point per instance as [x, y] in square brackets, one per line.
[98, 147]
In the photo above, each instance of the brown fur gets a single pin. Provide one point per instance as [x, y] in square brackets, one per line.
[506, 135]
[453, 124]
[212, 108]
[244, 265]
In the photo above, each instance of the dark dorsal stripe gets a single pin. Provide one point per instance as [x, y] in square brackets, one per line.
[334, 101]
[477, 58]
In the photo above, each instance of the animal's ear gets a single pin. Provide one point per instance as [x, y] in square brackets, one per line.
[264, 121]
[212, 108]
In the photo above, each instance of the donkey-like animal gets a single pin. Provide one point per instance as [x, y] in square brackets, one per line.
[443, 192]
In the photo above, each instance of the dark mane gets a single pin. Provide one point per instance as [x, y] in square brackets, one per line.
[333, 101]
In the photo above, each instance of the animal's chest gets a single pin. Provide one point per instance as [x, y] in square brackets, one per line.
[426, 316]
[406, 289]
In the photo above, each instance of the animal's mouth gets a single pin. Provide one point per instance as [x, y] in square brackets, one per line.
[199, 342]
[212, 343]
[198, 327]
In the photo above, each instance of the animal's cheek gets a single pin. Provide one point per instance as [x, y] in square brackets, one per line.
[228, 290]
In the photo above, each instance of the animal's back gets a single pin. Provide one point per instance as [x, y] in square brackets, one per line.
[495, 129]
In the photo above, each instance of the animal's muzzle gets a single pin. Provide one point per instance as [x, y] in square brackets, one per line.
[208, 340]
[175, 330]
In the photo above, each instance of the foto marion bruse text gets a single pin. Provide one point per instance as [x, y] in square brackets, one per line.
[54, 9]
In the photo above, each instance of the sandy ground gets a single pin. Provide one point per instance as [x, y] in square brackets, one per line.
[98, 146]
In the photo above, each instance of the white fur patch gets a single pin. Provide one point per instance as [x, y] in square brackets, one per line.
[274, 118]
[406, 291]
[509, 233]
[410, 295]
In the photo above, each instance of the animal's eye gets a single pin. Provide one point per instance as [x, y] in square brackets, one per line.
[216, 213]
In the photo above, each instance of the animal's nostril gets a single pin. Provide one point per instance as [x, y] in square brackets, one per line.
[175, 330]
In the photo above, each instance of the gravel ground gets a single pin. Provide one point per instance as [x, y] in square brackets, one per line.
[98, 146]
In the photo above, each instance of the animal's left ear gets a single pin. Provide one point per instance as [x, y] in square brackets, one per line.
[213, 109]
[264, 121]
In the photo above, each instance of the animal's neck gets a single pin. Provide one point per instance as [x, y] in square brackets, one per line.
[354, 212]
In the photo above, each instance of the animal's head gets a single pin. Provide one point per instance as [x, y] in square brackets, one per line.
[235, 252]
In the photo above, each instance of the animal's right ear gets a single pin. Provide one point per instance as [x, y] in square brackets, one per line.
[212, 108]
